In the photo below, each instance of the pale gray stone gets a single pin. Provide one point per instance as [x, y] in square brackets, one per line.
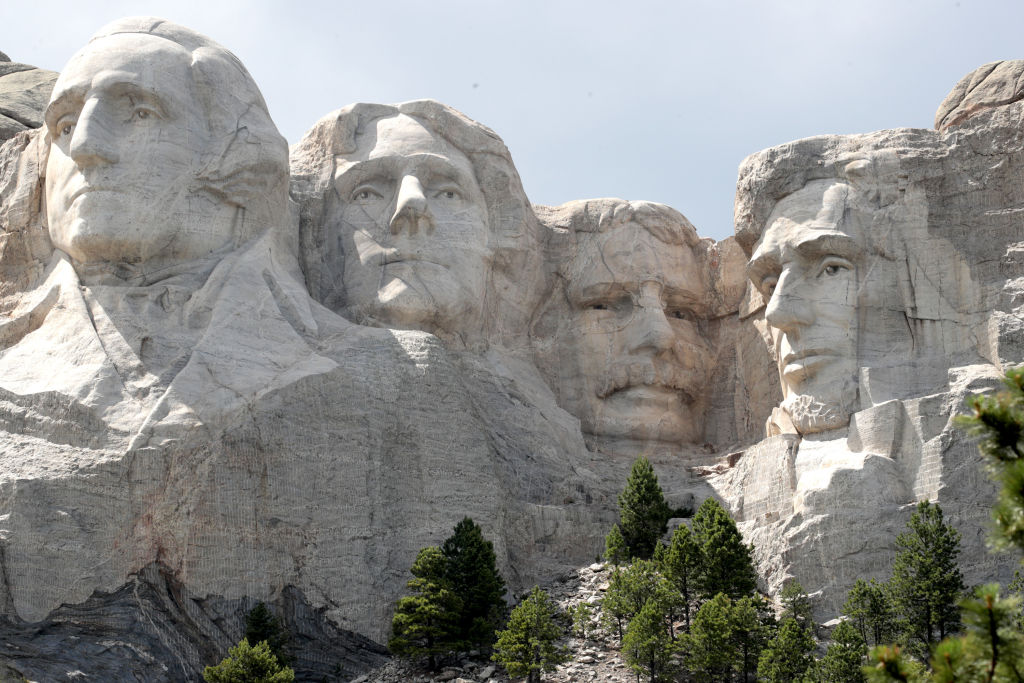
[992, 85]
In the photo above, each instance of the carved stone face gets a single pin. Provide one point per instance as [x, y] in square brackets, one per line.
[414, 231]
[125, 141]
[806, 265]
[636, 330]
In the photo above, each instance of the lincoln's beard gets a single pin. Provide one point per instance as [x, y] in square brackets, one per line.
[811, 415]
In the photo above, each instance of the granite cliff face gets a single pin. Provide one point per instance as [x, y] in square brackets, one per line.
[313, 362]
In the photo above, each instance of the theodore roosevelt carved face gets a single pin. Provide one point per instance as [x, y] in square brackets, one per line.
[637, 328]
[806, 265]
[145, 168]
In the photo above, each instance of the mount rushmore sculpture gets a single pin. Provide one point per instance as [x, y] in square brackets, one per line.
[274, 375]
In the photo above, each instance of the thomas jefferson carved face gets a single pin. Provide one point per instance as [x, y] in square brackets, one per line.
[637, 332]
[413, 226]
[125, 142]
[806, 266]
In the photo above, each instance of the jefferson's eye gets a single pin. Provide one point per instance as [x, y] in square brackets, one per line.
[364, 193]
[448, 193]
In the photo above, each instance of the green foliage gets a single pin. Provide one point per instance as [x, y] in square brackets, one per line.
[643, 512]
[647, 646]
[681, 565]
[869, 608]
[472, 572]
[527, 646]
[246, 664]
[615, 546]
[788, 656]
[887, 663]
[796, 605]
[845, 657]
[427, 623]
[262, 626]
[581, 614]
[992, 649]
[726, 637]
[727, 564]
[999, 421]
[630, 589]
[926, 583]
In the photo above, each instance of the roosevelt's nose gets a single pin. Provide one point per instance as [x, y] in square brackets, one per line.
[650, 330]
[93, 141]
[788, 308]
[411, 210]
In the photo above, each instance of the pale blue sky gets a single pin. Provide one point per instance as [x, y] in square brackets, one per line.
[645, 100]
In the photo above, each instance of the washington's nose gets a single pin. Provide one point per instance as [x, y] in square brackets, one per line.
[788, 310]
[411, 211]
[93, 142]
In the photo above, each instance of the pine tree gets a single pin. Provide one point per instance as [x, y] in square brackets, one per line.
[262, 626]
[926, 583]
[788, 656]
[643, 512]
[472, 572]
[249, 664]
[681, 566]
[999, 421]
[527, 646]
[630, 589]
[796, 605]
[992, 649]
[869, 608]
[845, 656]
[711, 654]
[727, 564]
[615, 546]
[747, 635]
[427, 623]
[647, 646]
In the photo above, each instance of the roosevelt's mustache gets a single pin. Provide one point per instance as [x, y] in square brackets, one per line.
[688, 381]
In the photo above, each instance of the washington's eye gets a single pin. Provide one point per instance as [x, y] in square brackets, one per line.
[768, 285]
[66, 129]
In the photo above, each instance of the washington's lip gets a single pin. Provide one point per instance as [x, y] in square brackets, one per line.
[89, 188]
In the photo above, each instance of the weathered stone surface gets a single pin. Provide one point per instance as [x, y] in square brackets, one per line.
[992, 85]
[281, 388]
[154, 629]
[24, 92]
[887, 266]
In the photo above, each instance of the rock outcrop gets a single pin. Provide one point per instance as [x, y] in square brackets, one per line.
[232, 372]
[24, 92]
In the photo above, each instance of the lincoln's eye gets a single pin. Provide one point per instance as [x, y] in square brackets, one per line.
[831, 270]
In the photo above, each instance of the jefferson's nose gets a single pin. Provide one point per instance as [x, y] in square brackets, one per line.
[788, 308]
[93, 141]
[411, 211]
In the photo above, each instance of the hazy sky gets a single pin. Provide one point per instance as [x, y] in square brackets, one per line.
[645, 100]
